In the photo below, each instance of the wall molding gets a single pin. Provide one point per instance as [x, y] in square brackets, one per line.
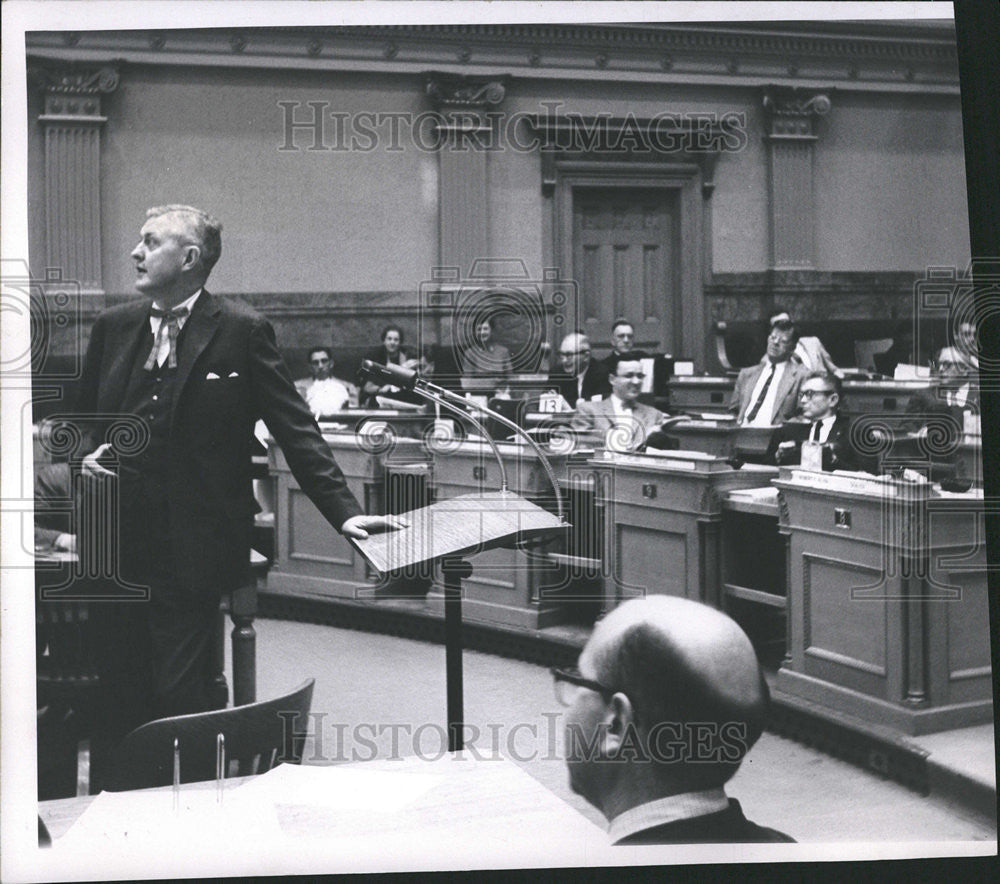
[870, 56]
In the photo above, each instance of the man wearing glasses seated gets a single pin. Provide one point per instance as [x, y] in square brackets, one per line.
[324, 394]
[621, 422]
[668, 700]
[579, 378]
[822, 425]
[768, 393]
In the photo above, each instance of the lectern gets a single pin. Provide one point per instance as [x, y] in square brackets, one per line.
[444, 533]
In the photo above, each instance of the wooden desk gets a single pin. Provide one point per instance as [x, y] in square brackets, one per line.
[311, 558]
[662, 519]
[887, 607]
[754, 569]
[712, 394]
[468, 806]
[508, 586]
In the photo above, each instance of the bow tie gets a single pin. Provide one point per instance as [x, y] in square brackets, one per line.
[169, 322]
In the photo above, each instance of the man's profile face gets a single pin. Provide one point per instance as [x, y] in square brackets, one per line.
[159, 257]
[320, 364]
[392, 340]
[582, 732]
[626, 382]
[780, 345]
[818, 398]
[574, 354]
[623, 338]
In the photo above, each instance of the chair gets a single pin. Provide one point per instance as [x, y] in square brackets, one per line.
[864, 352]
[257, 737]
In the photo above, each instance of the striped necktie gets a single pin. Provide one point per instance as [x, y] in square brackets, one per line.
[752, 413]
[170, 323]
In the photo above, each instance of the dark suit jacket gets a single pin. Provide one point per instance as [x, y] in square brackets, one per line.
[595, 383]
[211, 502]
[839, 452]
[786, 401]
[728, 826]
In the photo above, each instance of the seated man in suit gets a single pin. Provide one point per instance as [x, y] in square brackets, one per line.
[820, 395]
[809, 351]
[622, 341]
[768, 393]
[945, 413]
[667, 701]
[579, 378]
[620, 422]
[324, 394]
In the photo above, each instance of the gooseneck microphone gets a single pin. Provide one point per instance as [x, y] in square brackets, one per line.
[404, 378]
[408, 379]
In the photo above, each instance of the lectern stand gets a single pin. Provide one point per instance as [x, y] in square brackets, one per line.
[445, 533]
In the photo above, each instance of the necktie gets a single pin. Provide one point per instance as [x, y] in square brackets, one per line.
[815, 431]
[752, 413]
[169, 322]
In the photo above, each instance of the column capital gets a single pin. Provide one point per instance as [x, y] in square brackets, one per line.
[74, 91]
[451, 92]
[790, 112]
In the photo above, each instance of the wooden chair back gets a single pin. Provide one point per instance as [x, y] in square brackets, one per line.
[257, 737]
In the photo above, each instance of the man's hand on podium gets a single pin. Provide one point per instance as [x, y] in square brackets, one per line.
[359, 527]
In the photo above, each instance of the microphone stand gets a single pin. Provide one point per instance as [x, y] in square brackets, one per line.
[410, 380]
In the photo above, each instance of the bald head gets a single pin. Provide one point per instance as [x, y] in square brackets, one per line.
[574, 353]
[680, 662]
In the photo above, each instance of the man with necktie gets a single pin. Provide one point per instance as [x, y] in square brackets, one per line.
[768, 393]
[191, 374]
[579, 378]
[621, 422]
[822, 424]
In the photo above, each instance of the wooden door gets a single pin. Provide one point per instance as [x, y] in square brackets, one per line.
[626, 262]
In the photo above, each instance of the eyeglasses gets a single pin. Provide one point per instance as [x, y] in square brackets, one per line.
[812, 394]
[568, 679]
[566, 354]
[780, 337]
[318, 361]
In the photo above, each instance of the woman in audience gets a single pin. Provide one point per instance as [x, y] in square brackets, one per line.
[390, 352]
[486, 362]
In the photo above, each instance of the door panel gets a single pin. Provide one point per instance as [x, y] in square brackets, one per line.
[625, 260]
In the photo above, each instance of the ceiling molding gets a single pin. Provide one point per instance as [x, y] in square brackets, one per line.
[862, 57]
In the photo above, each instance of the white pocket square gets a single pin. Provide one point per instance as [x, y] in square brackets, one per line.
[234, 374]
[211, 376]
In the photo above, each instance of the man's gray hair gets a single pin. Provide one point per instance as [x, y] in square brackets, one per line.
[205, 229]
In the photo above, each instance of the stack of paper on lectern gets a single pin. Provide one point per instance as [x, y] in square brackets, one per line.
[460, 525]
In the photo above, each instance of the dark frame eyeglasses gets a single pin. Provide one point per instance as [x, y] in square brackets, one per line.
[812, 394]
[573, 677]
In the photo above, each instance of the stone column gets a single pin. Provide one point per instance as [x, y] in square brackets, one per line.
[464, 137]
[791, 138]
[72, 122]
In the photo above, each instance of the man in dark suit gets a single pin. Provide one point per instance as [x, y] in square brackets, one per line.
[579, 378]
[822, 424]
[768, 393]
[667, 701]
[191, 373]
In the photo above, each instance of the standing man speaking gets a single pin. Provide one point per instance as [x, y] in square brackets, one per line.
[197, 371]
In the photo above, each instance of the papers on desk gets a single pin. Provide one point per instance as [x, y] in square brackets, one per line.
[338, 787]
[146, 819]
[906, 372]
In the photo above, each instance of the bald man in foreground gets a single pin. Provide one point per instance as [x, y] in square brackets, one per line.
[668, 700]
